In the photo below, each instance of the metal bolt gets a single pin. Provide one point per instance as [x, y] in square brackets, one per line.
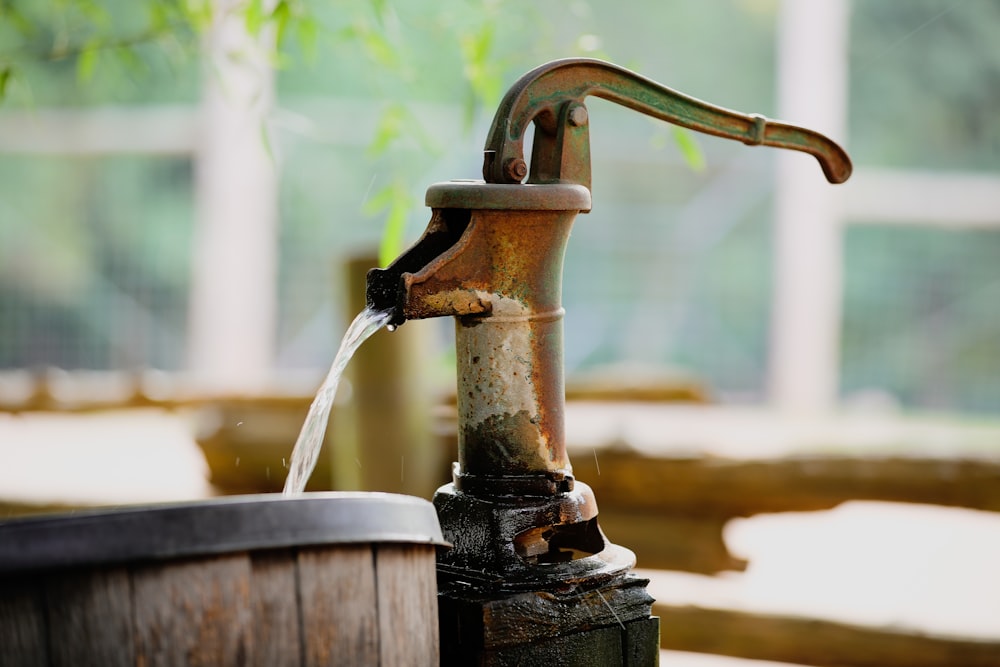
[516, 169]
[578, 116]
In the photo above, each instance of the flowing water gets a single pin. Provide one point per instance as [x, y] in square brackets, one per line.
[306, 450]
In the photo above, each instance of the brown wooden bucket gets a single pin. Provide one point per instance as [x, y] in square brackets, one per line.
[319, 579]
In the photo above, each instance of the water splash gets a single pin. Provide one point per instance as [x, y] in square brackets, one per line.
[310, 441]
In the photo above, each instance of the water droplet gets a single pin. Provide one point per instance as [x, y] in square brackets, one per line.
[390, 327]
[237, 462]
[239, 423]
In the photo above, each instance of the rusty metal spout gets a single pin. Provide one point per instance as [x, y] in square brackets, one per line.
[385, 289]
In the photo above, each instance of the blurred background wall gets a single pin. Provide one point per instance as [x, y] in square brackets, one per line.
[183, 201]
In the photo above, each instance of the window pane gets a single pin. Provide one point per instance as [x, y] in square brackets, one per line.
[925, 83]
[921, 324]
[94, 261]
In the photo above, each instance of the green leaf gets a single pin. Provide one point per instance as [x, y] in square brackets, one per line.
[375, 44]
[159, 17]
[395, 123]
[390, 127]
[379, 7]
[198, 13]
[377, 202]
[281, 15]
[379, 49]
[254, 16]
[481, 69]
[307, 33]
[6, 74]
[130, 61]
[265, 140]
[11, 15]
[689, 148]
[393, 236]
[395, 198]
[476, 46]
[94, 13]
[87, 60]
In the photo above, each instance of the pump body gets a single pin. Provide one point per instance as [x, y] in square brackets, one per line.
[531, 578]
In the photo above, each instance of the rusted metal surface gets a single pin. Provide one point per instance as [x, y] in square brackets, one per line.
[557, 89]
[517, 533]
[501, 280]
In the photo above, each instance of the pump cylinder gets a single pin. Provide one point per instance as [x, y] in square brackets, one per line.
[510, 374]
[502, 280]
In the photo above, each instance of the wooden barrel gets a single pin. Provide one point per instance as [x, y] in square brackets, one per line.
[319, 579]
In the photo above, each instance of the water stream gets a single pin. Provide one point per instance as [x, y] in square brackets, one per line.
[310, 440]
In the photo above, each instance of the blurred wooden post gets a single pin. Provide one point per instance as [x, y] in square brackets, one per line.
[382, 438]
[812, 91]
[234, 260]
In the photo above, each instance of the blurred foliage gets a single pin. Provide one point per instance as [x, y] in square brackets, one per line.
[918, 322]
[930, 71]
[94, 274]
[375, 100]
[919, 325]
[83, 52]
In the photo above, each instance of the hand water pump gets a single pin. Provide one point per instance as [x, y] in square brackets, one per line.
[531, 578]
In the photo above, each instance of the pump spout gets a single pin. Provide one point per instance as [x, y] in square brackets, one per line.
[387, 290]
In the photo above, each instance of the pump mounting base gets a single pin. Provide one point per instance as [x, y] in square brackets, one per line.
[609, 625]
[532, 580]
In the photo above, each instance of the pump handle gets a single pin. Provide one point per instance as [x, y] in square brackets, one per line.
[549, 94]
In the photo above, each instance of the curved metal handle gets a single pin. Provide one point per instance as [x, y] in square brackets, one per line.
[549, 91]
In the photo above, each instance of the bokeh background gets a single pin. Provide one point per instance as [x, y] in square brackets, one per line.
[104, 185]
[183, 185]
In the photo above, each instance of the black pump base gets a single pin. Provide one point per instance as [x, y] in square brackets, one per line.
[531, 580]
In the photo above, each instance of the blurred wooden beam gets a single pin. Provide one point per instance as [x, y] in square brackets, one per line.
[670, 541]
[671, 511]
[159, 130]
[912, 197]
[813, 642]
[710, 486]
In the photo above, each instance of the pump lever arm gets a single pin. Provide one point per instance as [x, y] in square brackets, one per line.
[551, 93]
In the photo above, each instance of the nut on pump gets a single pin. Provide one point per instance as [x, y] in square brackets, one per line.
[531, 577]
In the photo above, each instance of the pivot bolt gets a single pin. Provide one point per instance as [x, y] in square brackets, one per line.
[516, 169]
[578, 116]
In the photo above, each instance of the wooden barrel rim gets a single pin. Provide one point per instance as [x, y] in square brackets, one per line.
[216, 526]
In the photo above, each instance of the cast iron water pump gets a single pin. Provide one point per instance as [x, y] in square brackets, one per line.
[531, 578]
